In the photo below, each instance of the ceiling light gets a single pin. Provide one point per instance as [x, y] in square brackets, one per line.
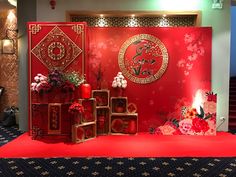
[5, 5]
[13, 2]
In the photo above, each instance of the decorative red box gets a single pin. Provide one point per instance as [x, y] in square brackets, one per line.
[89, 114]
[51, 121]
[102, 97]
[83, 132]
[124, 123]
[119, 104]
[103, 117]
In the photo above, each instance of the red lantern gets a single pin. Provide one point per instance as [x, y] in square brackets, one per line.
[53, 3]
[86, 91]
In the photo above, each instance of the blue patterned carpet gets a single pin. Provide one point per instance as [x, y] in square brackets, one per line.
[173, 167]
[126, 167]
[8, 133]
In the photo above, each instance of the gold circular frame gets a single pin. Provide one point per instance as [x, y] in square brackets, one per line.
[149, 79]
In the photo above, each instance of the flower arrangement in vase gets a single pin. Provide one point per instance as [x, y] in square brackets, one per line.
[40, 84]
[57, 83]
[119, 83]
[76, 109]
[56, 78]
[39, 87]
[75, 78]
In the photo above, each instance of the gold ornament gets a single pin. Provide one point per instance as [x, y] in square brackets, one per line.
[141, 65]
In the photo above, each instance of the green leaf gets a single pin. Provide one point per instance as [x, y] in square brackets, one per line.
[175, 122]
[208, 116]
[201, 115]
[137, 70]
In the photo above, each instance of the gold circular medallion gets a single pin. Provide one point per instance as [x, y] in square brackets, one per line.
[143, 58]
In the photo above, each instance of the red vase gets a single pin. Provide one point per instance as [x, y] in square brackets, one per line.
[120, 92]
[86, 91]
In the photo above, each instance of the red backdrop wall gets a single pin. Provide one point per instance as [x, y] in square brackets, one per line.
[188, 70]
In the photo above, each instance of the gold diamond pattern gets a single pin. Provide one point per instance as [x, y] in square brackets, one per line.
[56, 50]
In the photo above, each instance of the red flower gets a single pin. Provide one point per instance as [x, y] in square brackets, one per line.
[76, 108]
[55, 78]
[158, 131]
[200, 125]
[211, 97]
[177, 132]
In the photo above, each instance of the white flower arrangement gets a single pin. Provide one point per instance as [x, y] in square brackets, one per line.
[119, 81]
[39, 79]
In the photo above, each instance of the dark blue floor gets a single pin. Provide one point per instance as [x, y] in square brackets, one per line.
[8, 133]
[173, 167]
[125, 167]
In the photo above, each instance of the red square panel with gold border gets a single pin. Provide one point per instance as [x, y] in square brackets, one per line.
[53, 47]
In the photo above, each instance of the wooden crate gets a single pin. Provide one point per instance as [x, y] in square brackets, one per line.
[83, 132]
[119, 104]
[126, 123]
[102, 97]
[89, 114]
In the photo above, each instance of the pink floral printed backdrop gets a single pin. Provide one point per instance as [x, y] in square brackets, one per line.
[193, 121]
[189, 69]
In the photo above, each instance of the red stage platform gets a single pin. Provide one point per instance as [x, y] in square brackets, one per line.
[141, 145]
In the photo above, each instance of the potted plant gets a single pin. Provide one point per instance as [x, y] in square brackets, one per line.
[119, 83]
[76, 79]
[76, 110]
